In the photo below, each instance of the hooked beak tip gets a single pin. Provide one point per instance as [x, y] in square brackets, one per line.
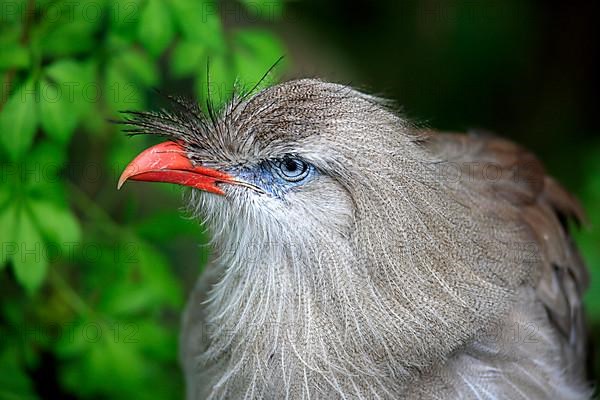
[125, 175]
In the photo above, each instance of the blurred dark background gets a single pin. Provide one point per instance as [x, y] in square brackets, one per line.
[92, 280]
[524, 69]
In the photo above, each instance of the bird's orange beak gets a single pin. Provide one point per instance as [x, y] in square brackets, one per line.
[168, 162]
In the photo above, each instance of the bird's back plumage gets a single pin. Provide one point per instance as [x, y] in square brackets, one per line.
[539, 352]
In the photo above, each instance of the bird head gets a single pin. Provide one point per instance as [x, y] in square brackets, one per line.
[289, 157]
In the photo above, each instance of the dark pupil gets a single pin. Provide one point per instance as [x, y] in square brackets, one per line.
[290, 165]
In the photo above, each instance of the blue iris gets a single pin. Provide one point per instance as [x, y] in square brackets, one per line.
[291, 169]
[278, 176]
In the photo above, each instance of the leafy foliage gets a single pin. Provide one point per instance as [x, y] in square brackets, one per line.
[90, 296]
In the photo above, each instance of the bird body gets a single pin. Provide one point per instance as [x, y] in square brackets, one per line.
[359, 257]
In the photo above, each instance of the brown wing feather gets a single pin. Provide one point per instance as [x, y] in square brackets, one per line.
[545, 207]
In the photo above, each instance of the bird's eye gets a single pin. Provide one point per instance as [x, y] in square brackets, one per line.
[292, 169]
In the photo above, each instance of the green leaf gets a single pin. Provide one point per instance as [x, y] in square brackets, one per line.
[138, 67]
[14, 380]
[68, 28]
[48, 156]
[157, 340]
[78, 83]
[102, 360]
[199, 22]
[67, 70]
[64, 97]
[51, 189]
[12, 55]
[5, 192]
[155, 30]
[268, 10]
[69, 38]
[30, 263]
[120, 92]
[154, 267]
[149, 285]
[57, 223]
[124, 17]
[255, 52]
[57, 114]
[118, 44]
[588, 237]
[18, 120]
[126, 74]
[113, 365]
[8, 226]
[46, 161]
[187, 58]
[165, 225]
[12, 15]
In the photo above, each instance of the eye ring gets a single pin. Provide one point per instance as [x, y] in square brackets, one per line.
[292, 169]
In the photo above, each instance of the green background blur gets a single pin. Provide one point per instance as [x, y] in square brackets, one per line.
[92, 280]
